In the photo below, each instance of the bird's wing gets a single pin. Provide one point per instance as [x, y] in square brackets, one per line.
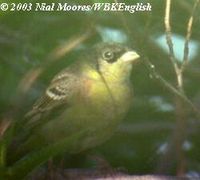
[61, 89]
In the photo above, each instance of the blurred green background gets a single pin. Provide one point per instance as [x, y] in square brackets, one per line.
[142, 144]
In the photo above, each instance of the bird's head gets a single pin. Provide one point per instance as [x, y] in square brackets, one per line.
[113, 61]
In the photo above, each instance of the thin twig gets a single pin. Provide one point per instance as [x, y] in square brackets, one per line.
[169, 86]
[168, 34]
[179, 132]
[188, 35]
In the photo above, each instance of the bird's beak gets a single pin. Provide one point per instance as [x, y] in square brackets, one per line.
[129, 56]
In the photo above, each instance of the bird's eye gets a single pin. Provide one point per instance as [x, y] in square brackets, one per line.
[108, 56]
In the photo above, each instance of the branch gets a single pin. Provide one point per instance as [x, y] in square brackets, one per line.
[188, 35]
[169, 86]
[168, 35]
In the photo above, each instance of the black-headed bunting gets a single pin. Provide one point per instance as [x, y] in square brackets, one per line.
[93, 93]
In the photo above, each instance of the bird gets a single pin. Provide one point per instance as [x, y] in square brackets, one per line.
[93, 93]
